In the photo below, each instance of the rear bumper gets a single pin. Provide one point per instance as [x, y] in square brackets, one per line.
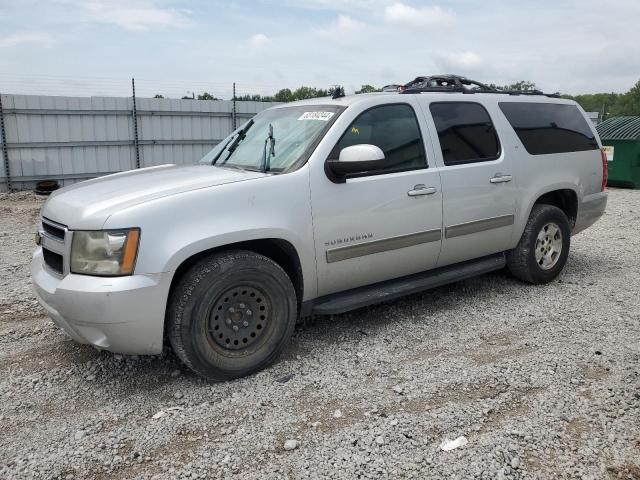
[590, 210]
[119, 314]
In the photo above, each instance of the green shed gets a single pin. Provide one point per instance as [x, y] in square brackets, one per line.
[621, 141]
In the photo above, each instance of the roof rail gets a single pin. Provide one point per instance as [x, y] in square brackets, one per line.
[458, 84]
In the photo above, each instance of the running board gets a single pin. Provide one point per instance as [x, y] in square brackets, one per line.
[391, 289]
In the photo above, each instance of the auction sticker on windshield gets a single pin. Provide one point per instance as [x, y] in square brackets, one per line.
[324, 116]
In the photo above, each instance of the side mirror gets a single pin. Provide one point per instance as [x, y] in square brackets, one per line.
[356, 159]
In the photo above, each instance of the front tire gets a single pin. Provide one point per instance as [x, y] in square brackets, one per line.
[231, 314]
[543, 249]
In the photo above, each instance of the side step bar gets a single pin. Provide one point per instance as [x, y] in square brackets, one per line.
[391, 289]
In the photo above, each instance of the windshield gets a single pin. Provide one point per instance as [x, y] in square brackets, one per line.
[274, 140]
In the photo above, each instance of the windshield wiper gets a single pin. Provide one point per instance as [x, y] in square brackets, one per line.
[233, 143]
[266, 157]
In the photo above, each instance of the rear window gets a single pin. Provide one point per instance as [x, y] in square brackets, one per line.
[545, 128]
[465, 131]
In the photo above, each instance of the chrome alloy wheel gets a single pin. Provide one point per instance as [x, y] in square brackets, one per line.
[548, 246]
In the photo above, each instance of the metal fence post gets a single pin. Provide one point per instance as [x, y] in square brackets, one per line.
[5, 151]
[233, 114]
[134, 114]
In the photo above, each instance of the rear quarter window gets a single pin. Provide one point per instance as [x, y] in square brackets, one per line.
[545, 128]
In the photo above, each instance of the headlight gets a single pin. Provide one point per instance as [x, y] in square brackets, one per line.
[104, 253]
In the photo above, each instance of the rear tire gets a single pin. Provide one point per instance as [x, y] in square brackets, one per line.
[543, 249]
[231, 314]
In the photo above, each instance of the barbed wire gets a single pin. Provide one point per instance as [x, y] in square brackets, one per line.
[96, 86]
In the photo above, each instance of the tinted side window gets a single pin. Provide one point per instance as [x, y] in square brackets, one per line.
[465, 131]
[549, 128]
[395, 130]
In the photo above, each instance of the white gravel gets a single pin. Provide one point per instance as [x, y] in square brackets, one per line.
[544, 382]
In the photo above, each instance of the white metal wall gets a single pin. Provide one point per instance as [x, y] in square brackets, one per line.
[73, 138]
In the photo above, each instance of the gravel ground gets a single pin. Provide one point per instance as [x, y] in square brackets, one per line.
[544, 382]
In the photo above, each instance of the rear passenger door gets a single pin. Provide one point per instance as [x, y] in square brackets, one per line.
[478, 183]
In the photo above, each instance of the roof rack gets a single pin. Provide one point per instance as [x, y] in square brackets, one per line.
[458, 84]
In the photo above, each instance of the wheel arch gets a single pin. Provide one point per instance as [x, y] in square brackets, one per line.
[279, 250]
[566, 199]
[566, 196]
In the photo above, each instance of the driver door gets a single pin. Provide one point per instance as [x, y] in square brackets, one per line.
[380, 224]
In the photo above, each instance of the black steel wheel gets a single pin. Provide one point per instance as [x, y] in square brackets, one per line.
[239, 318]
[231, 314]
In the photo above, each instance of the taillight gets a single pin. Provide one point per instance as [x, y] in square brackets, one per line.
[604, 169]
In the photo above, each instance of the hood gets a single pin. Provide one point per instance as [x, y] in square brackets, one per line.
[89, 204]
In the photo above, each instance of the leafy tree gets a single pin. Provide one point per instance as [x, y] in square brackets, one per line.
[255, 98]
[368, 89]
[611, 104]
[630, 104]
[304, 93]
[157, 95]
[284, 95]
[597, 102]
[521, 86]
[207, 96]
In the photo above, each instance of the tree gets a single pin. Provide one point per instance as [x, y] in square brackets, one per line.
[610, 104]
[207, 96]
[255, 98]
[368, 89]
[597, 102]
[157, 95]
[304, 93]
[521, 86]
[630, 101]
[284, 95]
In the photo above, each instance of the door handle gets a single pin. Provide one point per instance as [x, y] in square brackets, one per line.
[501, 179]
[421, 190]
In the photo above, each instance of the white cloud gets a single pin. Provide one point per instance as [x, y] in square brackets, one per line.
[344, 25]
[462, 60]
[337, 5]
[259, 40]
[430, 16]
[348, 24]
[39, 39]
[524, 41]
[133, 15]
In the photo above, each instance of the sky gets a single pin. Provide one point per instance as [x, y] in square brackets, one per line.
[171, 47]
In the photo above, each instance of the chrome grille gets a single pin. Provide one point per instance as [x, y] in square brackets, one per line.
[56, 244]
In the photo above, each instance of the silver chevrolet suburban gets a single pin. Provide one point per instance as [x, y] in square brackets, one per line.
[318, 207]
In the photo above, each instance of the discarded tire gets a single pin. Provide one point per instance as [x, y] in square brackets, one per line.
[45, 187]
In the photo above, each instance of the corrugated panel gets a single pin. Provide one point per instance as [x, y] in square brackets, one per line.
[620, 128]
[53, 137]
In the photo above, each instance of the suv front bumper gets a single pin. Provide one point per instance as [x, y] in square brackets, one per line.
[119, 314]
